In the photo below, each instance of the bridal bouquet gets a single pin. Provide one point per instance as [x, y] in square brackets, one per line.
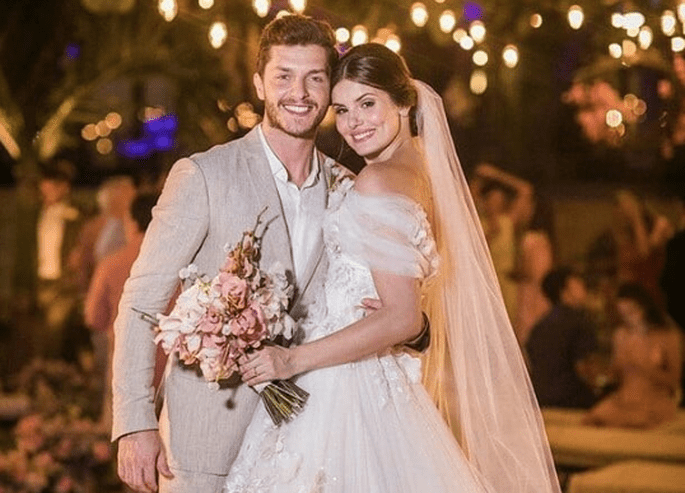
[216, 321]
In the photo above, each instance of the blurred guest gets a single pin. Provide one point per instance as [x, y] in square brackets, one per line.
[535, 260]
[646, 362]
[103, 233]
[673, 278]
[504, 203]
[105, 291]
[640, 237]
[562, 347]
[56, 230]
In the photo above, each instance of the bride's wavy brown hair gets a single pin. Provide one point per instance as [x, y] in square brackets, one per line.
[374, 65]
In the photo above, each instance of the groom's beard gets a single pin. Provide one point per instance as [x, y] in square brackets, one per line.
[301, 127]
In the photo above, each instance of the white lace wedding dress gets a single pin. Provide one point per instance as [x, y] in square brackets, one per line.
[369, 426]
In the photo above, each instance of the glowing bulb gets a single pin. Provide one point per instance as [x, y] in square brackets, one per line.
[342, 35]
[480, 58]
[218, 33]
[261, 7]
[510, 55]
[113, 120]
[576, 17]
[536, 20]
[298, 5]
[614, 118]
[668, 23]
[393, 42]
[645, 37]
[629, 48]
[681, 11]
[677, 44]
[467, 43]
[419, 14]
[617, 20]
[477, 31]
[447, 21]
[633, 20]
[458, 34]
[104, 146]
[205, 4]
[359, 35]
[479, 82]
[89, 132]
[168, 9]
[615, 50]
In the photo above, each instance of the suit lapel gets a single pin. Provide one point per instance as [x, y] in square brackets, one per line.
[276, 244]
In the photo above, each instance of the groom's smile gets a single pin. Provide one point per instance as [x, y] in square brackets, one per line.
[295, 89]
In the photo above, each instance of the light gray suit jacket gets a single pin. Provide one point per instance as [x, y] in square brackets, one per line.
[208, 201]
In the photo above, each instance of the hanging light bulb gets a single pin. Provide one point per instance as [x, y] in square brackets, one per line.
[510, 55]
[205, 4]
[298, 5]
[615, 50]
[681, 12]
[342, 35]
[467, 43]
[477, 31]
[617, 20]
[536, 20]
[261, 7]
[614, 118]
[668, 23]
[480, 58]
[645, 37]
[447, 21]
[633, 20]
[168, 9]
[629, 48]
[218, 33]
[479, 82]
[359, 35]
[419, 14]
[677, 44]
[393, 42]
[576, 17]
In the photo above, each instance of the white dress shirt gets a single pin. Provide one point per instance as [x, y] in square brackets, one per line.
[303, 207]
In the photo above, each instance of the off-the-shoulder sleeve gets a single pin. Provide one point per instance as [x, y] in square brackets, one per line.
[389, 233]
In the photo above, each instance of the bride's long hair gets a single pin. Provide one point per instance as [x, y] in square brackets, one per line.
[473, 369]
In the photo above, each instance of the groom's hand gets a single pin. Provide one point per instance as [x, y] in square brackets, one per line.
[141, 455]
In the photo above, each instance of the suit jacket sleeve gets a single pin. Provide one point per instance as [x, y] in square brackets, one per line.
[178, 227]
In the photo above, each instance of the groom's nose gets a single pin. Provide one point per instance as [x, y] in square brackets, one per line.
[299, 88]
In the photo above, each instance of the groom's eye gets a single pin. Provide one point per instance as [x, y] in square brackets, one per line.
[340, 111]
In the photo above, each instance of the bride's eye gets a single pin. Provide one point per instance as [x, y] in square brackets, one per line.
[369, 103]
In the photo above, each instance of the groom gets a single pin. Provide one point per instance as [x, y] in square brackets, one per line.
[208, 201]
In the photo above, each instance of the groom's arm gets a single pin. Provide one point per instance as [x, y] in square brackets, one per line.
[178, 227]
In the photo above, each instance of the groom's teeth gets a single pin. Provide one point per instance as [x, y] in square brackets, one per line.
[297, 109]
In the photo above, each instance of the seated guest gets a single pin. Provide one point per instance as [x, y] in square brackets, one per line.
[562, 345]
[646, 361]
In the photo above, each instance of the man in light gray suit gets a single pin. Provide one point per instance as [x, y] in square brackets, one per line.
[208, 201]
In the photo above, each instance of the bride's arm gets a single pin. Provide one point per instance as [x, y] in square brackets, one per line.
[398, 320]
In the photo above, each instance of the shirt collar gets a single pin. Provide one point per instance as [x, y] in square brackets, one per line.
[278, 168]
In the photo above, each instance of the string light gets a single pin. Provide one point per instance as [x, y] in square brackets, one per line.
[205, 4]
[576, 17]
[645, 37]
[467, 43]
[477, 31]
[681, 12]
[480, 58]
[419, 14]
[342, 35]
[393, 42]
[629, 48]
[614, 118]
[298, 5]
[261, 7]
[359, 35]
[668, 23]
[677, 44]
[479, 82]
[510, 55]
[617, 20]
[168, 9]
[447, 21]
[615, 50]
[218, 33]
[536, 20]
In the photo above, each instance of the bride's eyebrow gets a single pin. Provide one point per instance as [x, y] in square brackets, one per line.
[355, 101]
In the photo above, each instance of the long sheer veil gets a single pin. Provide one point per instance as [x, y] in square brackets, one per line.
[474, 369]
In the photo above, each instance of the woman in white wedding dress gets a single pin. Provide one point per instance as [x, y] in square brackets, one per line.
[406, 232]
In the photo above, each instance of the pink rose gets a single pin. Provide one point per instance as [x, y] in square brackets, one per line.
[249, 327]
[233, 289]
[211, 322]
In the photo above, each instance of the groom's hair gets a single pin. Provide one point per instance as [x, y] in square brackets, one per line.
[294, 30]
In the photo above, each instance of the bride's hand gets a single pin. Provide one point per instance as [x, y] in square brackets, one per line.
[269, 363]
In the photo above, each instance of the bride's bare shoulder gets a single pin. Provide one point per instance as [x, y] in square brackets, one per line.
[392, 179]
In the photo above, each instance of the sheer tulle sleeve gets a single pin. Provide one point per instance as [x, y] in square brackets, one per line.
[389, 233]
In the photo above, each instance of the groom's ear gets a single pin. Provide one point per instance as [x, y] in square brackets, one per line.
[258, 85]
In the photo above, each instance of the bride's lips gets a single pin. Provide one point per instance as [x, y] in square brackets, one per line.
[358, 137]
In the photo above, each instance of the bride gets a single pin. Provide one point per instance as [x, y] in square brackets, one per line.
[407, 233]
